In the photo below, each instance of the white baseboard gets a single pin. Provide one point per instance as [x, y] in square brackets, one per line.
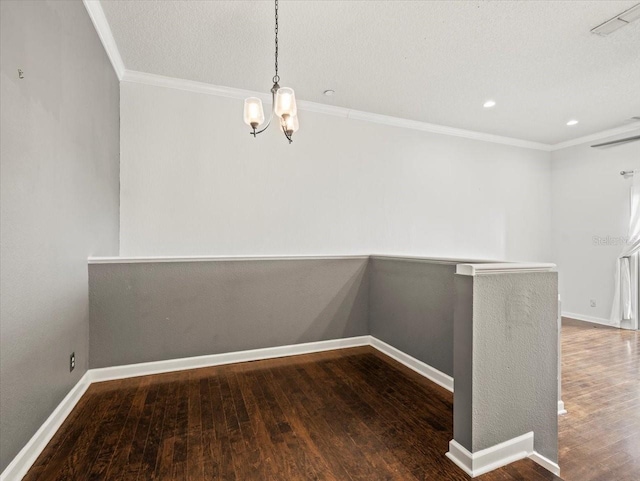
[158, 367]
[475, 464]
[545, 463]
[23, 461]
[420, 367]
[593, 319]
[481, 462]
[561, 409]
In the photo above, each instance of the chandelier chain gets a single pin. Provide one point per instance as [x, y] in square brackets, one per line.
[276, 77]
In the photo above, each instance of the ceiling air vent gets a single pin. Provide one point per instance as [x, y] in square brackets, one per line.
[619, 21]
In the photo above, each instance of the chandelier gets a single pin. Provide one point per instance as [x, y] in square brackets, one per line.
[283, 104]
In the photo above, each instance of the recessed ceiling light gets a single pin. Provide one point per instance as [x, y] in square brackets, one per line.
[329, 92]
[489, 103]
[572, 122]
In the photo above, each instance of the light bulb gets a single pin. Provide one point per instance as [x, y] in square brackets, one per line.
[290, 124]
[253, 112]
[285, 102]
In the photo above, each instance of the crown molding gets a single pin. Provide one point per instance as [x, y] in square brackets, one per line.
[193, 86]
[96, 13]
[304, 105]
[94, 9]
[307, 106]
[597, 136]
[445, 130]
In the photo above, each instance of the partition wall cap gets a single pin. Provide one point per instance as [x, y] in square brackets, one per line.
[399, 257]
[150, 259]
[503, 268]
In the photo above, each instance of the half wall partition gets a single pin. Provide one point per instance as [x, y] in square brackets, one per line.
[490, 326]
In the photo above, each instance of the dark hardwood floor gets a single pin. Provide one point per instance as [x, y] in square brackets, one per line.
[599, 437]
[352, 414]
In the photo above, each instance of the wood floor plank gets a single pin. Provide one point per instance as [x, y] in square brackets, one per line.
[243, 470]
[279, 428]
[359, 419]
[259, 429]
[412, 408]
[181, 429]
[118, 462]
[278, 451]
[136, 451]
[210, 454]
[601, 392]
[223, 445]
[164, 462]
[332, 422]
[195, 464]
[86, 462]
[151, 448]
[297, 463]
[385, 418]
[252, 457]
[109, 437]
[351, 414]
[75, 465]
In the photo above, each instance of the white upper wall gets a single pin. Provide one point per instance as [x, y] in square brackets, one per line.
[193, 182]
[590, 219]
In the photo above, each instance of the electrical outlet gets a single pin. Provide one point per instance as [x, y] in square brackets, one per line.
[593, 303]
[72, 361]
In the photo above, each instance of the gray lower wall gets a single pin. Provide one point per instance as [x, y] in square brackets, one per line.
[59, 203]
[155, 311]
[163, 310]
[463, 362]
[411, 308]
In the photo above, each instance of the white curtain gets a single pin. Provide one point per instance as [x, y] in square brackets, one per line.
[622, 298]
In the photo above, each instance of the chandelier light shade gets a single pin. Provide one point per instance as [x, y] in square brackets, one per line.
[253, 112]
[283, 103]
[290, 125]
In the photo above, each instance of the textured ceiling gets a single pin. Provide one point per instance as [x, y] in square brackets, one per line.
[431, 61]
